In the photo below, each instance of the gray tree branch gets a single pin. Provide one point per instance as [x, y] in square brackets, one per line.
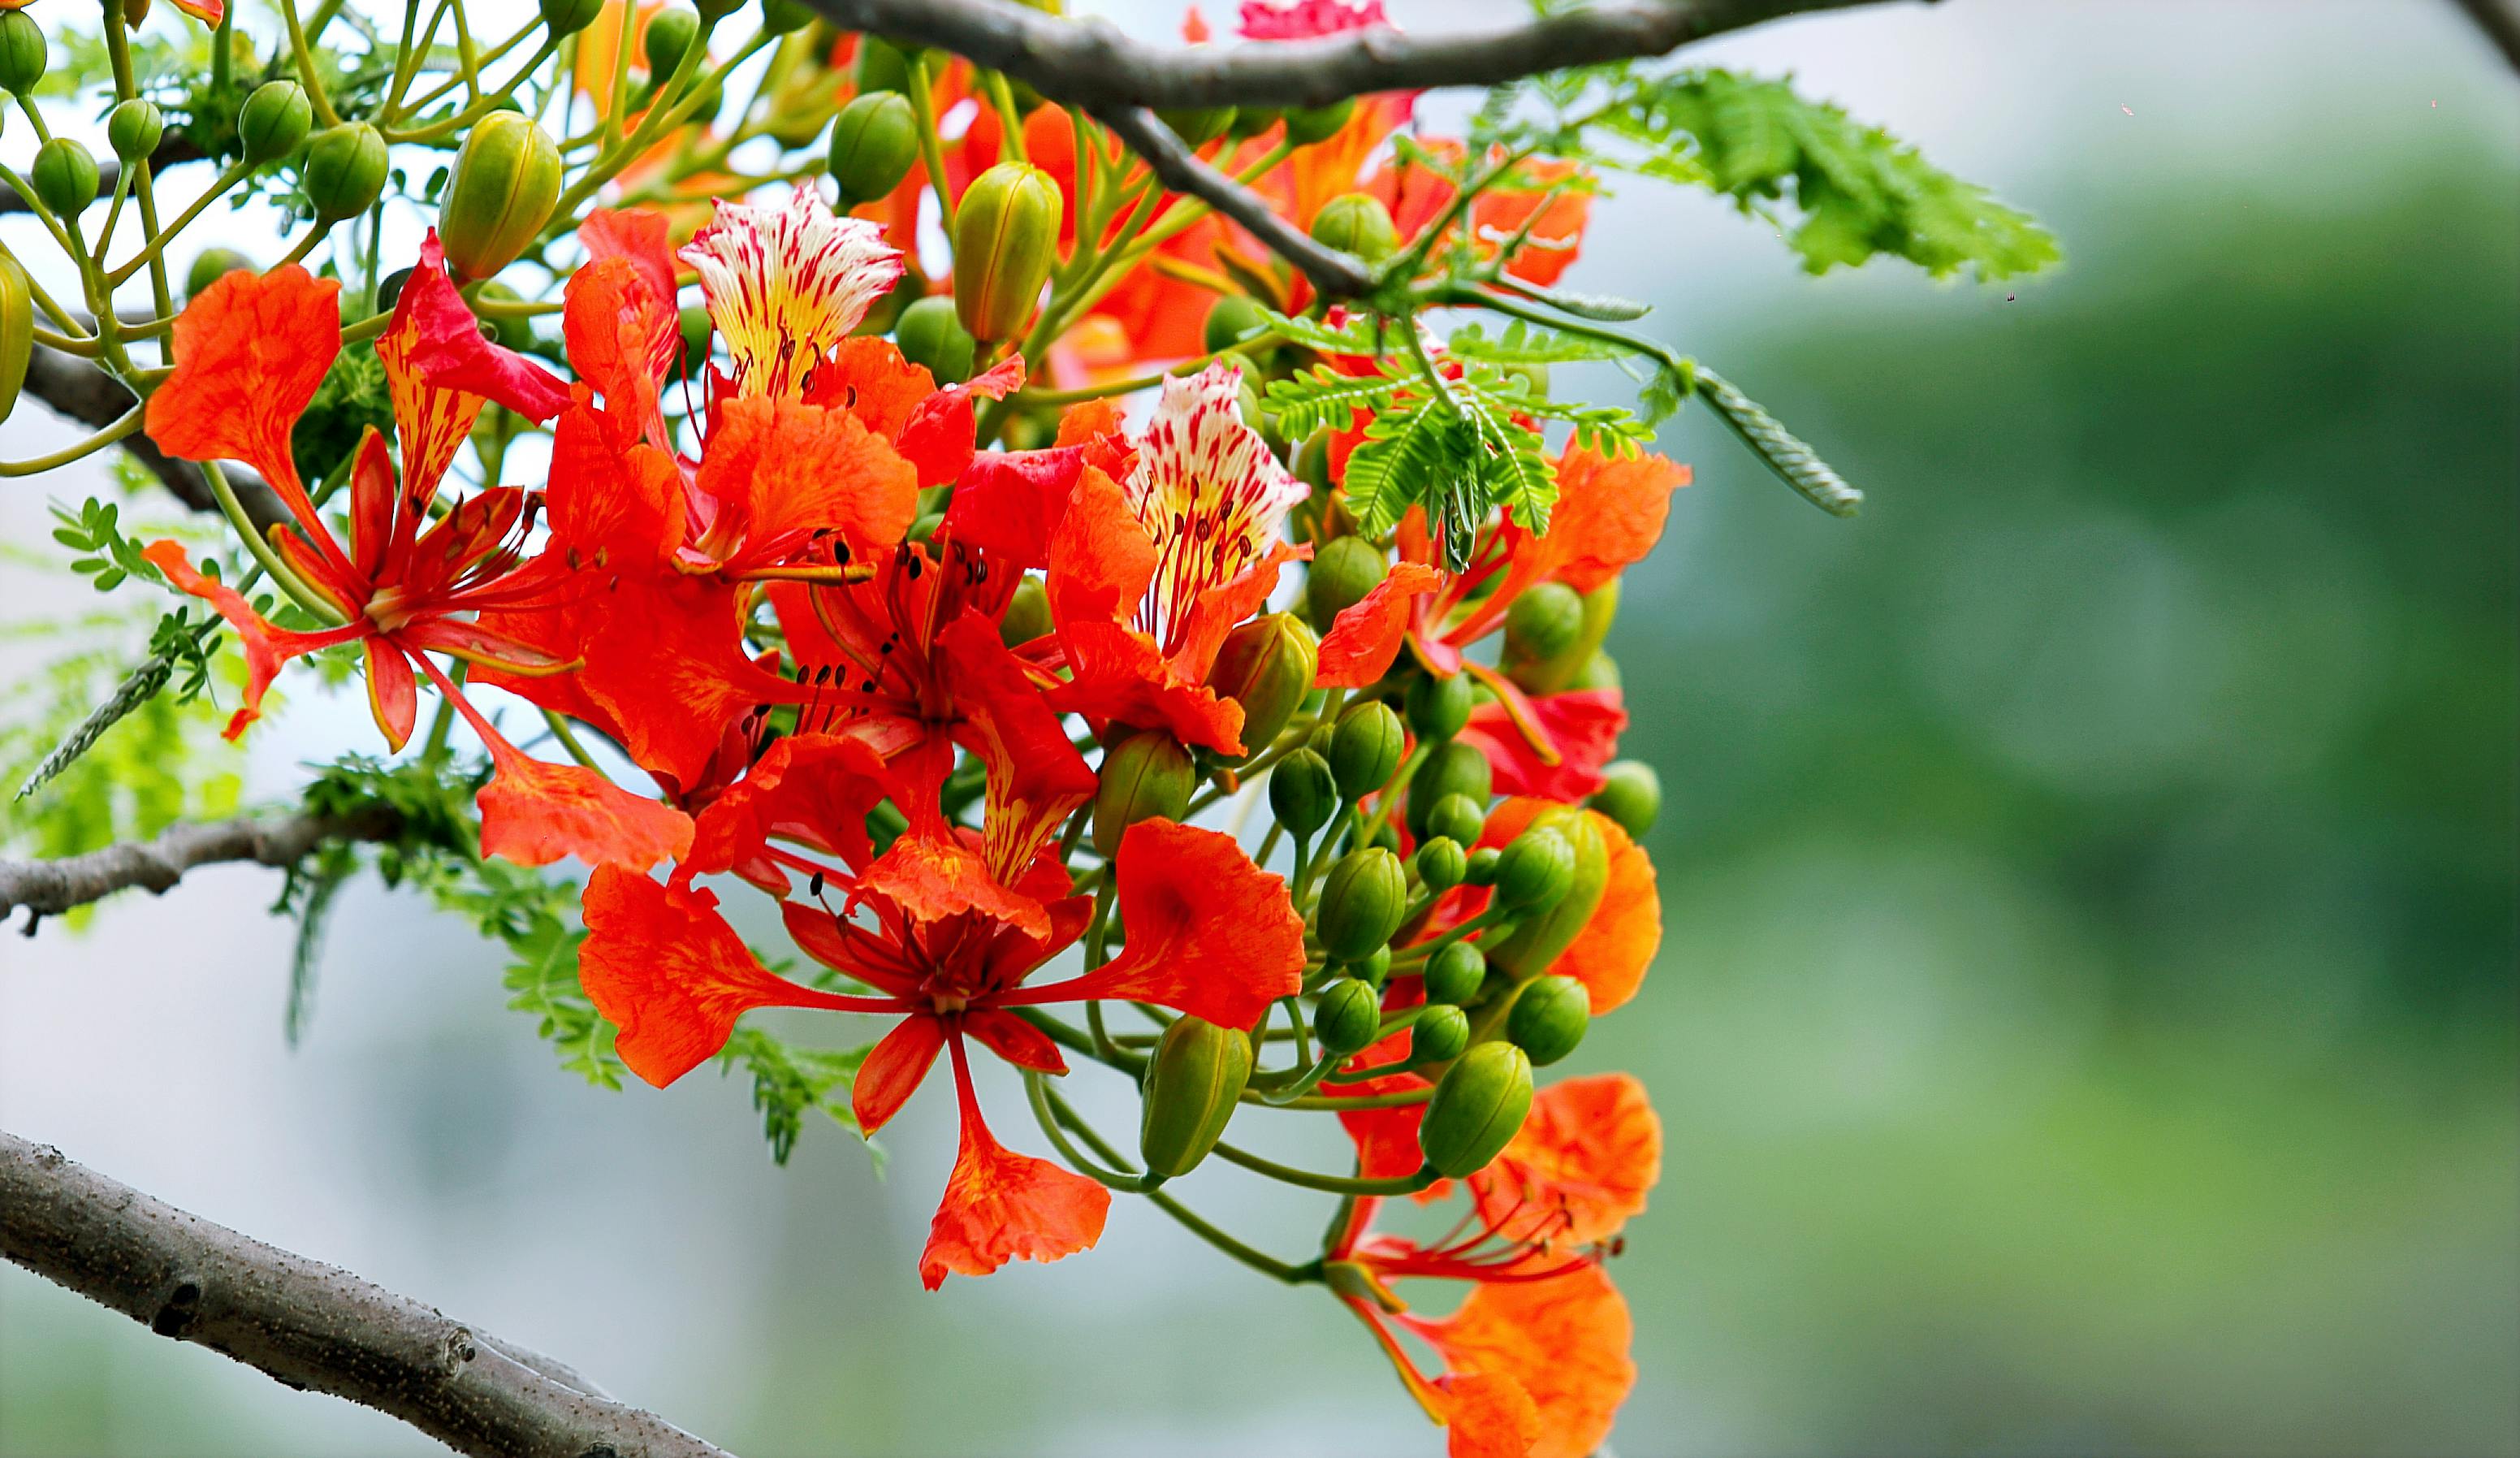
[49, 888]
[1334, 274]
[310, 1326]
[1094, 63]
[2500, 20]
[78, 390]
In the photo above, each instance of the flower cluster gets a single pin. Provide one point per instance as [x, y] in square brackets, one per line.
[958, 709]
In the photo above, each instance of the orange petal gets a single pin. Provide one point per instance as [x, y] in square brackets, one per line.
[815, 789]
[1487, 1415]
[1035, 776]
[893, 1069]
[534, 813]
[1001, 1206]
[1362, 640]
[929, 878]
[1610, 512]
[1100, 559]
[1582, 728]
[621, 338]
[782, 470]
[612, 499]
[250, 351]
[1564, 1341]
[265, 646]
[1580, 1166]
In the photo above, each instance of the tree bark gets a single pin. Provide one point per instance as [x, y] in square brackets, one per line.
[51, 887]
[310, 1326]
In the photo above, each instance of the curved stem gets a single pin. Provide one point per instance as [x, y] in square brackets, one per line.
[1336, 1184]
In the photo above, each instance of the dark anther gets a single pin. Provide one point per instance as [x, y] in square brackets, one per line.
[814, 887]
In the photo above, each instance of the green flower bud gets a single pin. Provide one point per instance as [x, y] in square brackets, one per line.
[785, 17]
[1556, 673]
[1478, 1107]
[1599, 671]
[1537, 870]
[1631, 794]
[875, 140]
[1456, 974]
[1027, 614]
[883, 65]
[1354, 223]
[1458, 817]
[1362, 899]
[1314, 124]
[1251, 121]
[714, 11]
[1266, 666]
[1345, 569]
[1195, 1079]
[17, 331]
[1540, 936]
[1006, 237]
[1348, 1018]
[24, 53]
[1229, 320]
[1544, 623]
[1366, 750]
[1453, 768]
[567, 18]
[1375, 970]
[214, 264]
[504, 183]
[1145, 776]
[931, 335]
[1483, 866]
[1313, 469]
[671, 33]
[273, 120]
[1442, 863]
[1441, 1033]
[133, 129]
[345, 170]
[65, 176]
[1198, 127]
[1548, 1018]
[1438, 708]
[1301, 794]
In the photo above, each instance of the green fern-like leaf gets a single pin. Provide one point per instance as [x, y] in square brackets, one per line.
[1323, 399]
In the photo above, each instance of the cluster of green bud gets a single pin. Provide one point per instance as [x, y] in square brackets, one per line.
[1147, 776]
[1266, 667]
[25, 56]
[930, 335]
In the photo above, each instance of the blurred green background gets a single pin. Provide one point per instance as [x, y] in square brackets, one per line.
[2086, 1017]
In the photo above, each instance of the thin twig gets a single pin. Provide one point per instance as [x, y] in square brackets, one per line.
[309, 1325]
[48, 887]
[1334, 274]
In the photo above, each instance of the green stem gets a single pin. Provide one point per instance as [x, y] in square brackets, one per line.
[297, 48]
[129, 425]
[1266, 1264]
[1336, 1184]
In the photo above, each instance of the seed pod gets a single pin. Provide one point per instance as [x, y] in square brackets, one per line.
[1553, 673]
[1442, 863]
[24, 53]
[1453, 768]
[1266, 666]
[1366, 750]
[1197, 127]
[134, 127]
[214, 264]
[1006, 237]
[1229, 320]
[1348, 1018]
[345, 170]
[504, 183]
[1147, 775]
[1538, 937]
[17, 331]
[1544, 623]
[785, 17]
[1027, 614]
[1314, 124]
[875, 140]
[1631, 794]
[65, 176]
[1456, 974]
[1477, 1107]
[1548, 1018]
[273, 120]
[883, 65]
[1457, 817]
[567, 18]
[1195, 1079]
[931, 336]
[1362, 899]
[671, 33]
[1438, 708]
[1537, 869]
[1441, 1033]
[1301, 794]
[1354, 223]
[1345, 569]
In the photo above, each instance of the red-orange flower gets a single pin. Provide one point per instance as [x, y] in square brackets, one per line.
[1209, 934]
[248, 354]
